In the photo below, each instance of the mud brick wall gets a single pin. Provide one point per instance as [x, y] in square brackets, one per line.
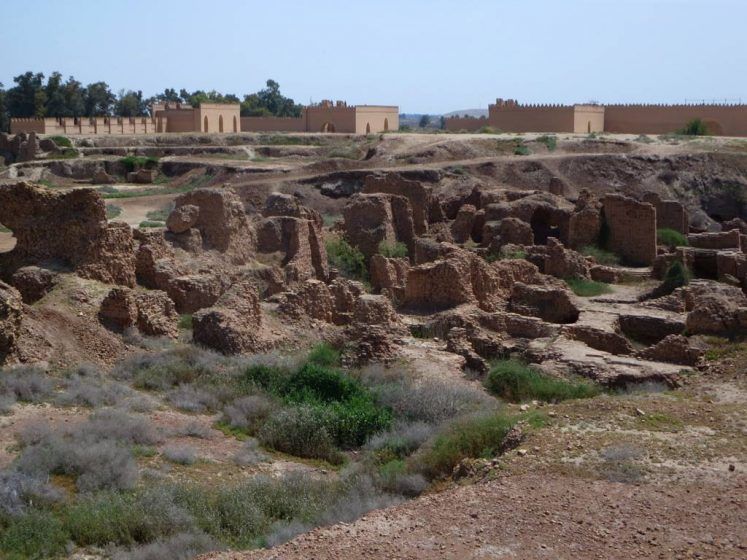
[717, 240]
[632, 229]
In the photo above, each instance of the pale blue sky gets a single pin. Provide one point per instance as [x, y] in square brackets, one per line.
[423, 55]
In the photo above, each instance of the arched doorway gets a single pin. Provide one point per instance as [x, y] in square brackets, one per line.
[368, 128]
[220, 123]
[205, 124]
[544, 225]
[235, 124]
[328, 127]
[386, 125]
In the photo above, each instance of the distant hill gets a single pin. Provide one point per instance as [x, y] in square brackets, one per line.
[471, 112]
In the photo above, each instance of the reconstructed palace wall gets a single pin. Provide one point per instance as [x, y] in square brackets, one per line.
[721, 120]
[218, 117]
[225, 118]
[371, 119]
[273, 124]
[509, 116]
[470, 124]
[85, 126]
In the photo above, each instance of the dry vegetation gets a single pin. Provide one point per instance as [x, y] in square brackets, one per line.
[232, 394]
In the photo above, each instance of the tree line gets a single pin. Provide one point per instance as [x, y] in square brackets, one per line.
[32, 96]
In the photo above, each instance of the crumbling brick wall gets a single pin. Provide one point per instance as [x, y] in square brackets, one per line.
[631, 229]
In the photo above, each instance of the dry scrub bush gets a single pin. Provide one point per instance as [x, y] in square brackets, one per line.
[97, 453]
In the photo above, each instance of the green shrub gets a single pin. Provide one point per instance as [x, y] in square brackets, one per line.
[347, 259]
[151, 224]
[320, 394]
[36, 534]
[695, 127]
[113, 211]
[65, 153]
[61, 141]
[299, 431]
[587, 288]
[548, 140]
[600, 255]
[474, 437]
[324, 355]
[670, 238]
[185, 321]
[677, 275]
[396, 250]
[515, 381]
[133, 163]
[521, 149]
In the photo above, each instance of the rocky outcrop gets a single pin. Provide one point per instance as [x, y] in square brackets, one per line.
[462, 277]
[233, 325]
[606, 341]
[563, 263]
[33, 282]
[649, 328]
[11, 313]
[183, 218]
[461, 228]
[311, 299]
[279, 204]
[389, 276]
[152, 312]
[549, 303]
[372, 219]
[715, 308]
[68, 227]
[300, 239]
[152, 248]
[521, 326]
[221, 221]
[606, 274]
[496, 234]
[418, 195]
[673, 349]
[457, 342]
[191, 292]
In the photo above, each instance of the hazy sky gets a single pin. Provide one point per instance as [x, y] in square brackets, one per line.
[423, 55]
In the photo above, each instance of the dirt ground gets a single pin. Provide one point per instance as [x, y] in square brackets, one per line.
[648, 475]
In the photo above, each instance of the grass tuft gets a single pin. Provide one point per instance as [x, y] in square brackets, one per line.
[587, 288]
[515, 381]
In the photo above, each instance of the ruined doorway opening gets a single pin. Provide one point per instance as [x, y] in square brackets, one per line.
[368, 128]
[544, 226]
[7, 239]
[235, 124]
[220, 123]
[205, 124]
[386, 125]
[328, 127]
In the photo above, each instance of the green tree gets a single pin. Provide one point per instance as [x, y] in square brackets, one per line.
[55, 106]
[98, 100]
[131, 104]
[27, 98]
[75, 98]
[425, 120]
[269, 101]
[4, 118]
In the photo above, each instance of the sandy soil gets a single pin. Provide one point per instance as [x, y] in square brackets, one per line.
[135, 209]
